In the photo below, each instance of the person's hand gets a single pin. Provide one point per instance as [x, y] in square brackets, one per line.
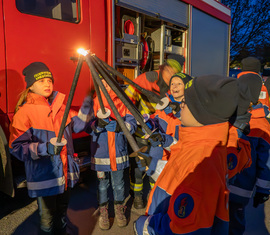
[102, 122]
[156, 140]
[175, 106]
[260, 198]
[113, 126]
[53, 149]
[143, 160]
[168, 110]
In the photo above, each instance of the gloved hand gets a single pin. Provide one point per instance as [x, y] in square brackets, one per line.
[143, 160]
[156, 140]
[102, 122]
[53, 149]
[168, 110]
[175, 106]
[260, 198]
[113, 126]
[172, 107]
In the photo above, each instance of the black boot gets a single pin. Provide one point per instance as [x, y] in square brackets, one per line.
[138, 202]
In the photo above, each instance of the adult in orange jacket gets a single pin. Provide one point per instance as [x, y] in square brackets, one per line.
[181, 201]
[158, 82]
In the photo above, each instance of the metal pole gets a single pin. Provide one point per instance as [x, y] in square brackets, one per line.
[70, 98]
[126, 132]
[122, 95]
[149, 94]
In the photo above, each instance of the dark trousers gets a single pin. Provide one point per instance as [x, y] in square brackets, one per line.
[53, 211]
[237, 219]
[136, 179]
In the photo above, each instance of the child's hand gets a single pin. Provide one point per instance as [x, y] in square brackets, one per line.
[53, 149]
[102, 122]
[113, 126]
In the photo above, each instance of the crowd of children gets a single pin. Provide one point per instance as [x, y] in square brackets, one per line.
[207, 157]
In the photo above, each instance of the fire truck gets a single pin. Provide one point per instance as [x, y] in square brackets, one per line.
[131, 36]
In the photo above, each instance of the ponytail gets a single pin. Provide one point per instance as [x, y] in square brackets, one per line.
[22, 99]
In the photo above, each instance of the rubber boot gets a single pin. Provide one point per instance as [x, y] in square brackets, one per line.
[138, 202]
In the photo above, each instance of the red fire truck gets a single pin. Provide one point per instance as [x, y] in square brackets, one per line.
[131, 36]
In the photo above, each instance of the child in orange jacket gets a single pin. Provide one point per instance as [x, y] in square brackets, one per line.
[190, 195]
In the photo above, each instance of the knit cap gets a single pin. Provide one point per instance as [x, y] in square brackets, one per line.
[250, 85]
[212, 99]
[251, 64]
[185, 78]
[176, 61]
[36, 71]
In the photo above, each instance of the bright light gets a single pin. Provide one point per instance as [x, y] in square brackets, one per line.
[82, 51]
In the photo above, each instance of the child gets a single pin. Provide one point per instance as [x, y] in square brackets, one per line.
[168, 120]
[255, 180]
[190, 195]
[50, 171]
[109, 157]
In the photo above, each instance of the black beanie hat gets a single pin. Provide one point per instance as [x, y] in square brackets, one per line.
[212, 98]
[250, 85]
[251, 64]
[185, 78]
[36, 71]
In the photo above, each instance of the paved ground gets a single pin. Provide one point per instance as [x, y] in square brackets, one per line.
[19, 216]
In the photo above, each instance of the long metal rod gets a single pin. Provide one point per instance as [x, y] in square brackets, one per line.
[70, 98]
[99, 97]
[149, 94]
[122, 95]
[126, 132]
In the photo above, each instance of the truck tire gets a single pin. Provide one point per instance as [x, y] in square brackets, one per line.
[6, 177]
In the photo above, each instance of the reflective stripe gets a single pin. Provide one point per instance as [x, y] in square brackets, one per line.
[73, 176]
[146, 223]
[128, 126]
[240, 192]
[263, 183]
[136, 187]
[33, 151]
[46, 184]
[84, 117]
[106, 161]
[173, 143]
[152, 185]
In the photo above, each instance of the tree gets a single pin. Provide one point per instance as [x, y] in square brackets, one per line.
[250, 29]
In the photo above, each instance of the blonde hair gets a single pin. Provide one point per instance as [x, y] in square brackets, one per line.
[22, 99]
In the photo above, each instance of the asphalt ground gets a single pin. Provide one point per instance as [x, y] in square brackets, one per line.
[19, 215]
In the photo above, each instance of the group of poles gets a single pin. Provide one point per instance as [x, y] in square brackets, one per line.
[101, 70]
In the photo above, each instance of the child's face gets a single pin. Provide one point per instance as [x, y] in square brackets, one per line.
[177, 88]
[187, 119]
[43, 87]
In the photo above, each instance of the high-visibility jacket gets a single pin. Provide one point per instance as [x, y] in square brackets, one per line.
[257, 176]
[190, 196]
[168, 124]
[109, 149]
[32, 127]
[238, 152]
[151, 81]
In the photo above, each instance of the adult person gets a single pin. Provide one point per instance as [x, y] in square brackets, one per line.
[158, 82]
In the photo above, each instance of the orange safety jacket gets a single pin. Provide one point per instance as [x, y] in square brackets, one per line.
[190, 196]
[238, 151]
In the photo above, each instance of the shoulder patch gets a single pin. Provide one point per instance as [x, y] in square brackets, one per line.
[151, 76]
[183, 205]
[231, 161]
